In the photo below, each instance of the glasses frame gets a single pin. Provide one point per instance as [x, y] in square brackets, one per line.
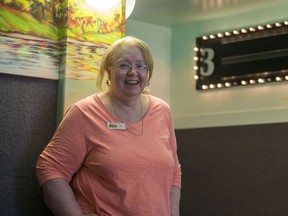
[125, 66]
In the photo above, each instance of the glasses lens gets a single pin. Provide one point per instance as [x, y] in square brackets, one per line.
[126, 67]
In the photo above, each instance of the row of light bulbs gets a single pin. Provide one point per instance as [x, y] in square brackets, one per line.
[212, 4]
[234, 33]
[243, 82]
[245, 31]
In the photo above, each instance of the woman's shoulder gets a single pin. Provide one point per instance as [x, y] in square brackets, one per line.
[87, 102]
[158, 102]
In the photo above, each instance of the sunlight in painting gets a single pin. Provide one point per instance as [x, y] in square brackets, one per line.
[103, 5]
[100, 4]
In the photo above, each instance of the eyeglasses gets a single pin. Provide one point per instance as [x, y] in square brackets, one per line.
[141, 67]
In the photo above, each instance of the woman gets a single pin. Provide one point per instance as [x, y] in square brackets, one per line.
[114, 153]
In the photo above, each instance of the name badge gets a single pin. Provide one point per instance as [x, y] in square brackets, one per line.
[116, 126]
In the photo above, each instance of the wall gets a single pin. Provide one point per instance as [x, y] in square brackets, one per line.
[232, 143]
[234, 171]
[28, 120]
[259, 104]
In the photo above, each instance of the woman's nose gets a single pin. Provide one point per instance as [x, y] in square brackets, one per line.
[132, 69]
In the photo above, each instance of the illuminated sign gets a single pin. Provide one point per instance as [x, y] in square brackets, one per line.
[255, 55]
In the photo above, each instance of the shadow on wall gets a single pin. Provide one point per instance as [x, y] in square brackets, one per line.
[28, 121]
[234, 171]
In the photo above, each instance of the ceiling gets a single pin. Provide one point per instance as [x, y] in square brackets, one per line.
[173, 12]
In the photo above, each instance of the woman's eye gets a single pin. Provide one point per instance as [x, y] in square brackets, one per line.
[142, 66]
[124, 66]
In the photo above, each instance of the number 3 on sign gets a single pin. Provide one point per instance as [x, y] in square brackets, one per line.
[207, 55]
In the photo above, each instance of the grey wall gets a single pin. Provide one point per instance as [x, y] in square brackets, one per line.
[27, 122]
[234, 171]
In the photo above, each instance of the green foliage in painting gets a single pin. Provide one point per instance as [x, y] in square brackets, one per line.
[57, 19]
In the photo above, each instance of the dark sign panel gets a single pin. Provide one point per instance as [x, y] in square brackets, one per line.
[242, 57]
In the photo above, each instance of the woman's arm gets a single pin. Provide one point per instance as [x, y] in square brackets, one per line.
[175, 194]
[60, 198]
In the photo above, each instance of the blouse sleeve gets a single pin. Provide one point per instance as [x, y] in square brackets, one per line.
[177, 169]
[66, 151]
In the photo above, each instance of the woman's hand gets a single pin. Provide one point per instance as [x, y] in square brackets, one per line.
[60, 198]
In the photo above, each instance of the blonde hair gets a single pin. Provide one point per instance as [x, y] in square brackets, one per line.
[112, 54]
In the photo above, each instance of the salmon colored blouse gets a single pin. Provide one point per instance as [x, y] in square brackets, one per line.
[112, 171]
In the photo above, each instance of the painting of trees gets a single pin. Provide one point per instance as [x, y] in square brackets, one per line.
[84, 18]
[49, 33]
[76, 16]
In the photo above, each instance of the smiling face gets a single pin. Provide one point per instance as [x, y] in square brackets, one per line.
[128, 74]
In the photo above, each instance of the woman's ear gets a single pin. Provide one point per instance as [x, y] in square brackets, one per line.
[109, 72]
